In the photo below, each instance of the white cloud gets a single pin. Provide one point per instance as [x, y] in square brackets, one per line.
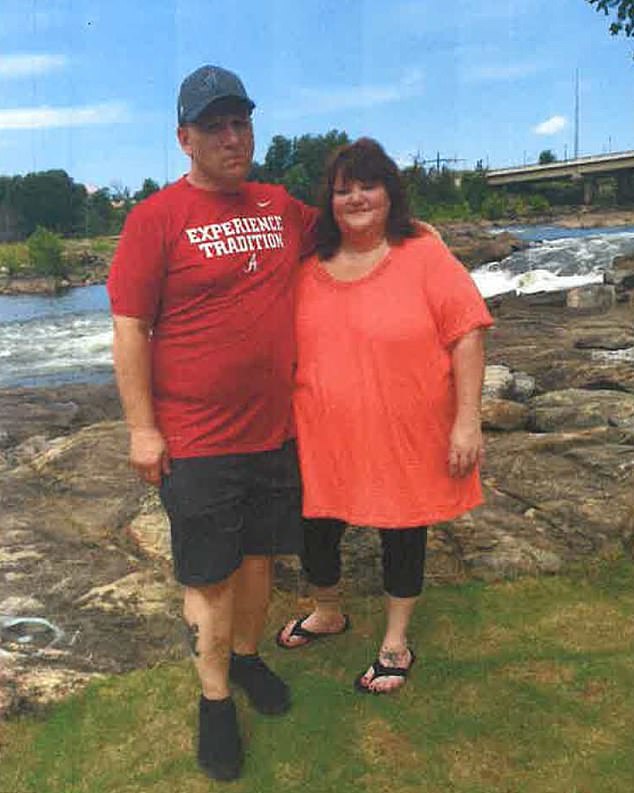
[315, 101]
[25, 64]
[78, 116]
[551, 126]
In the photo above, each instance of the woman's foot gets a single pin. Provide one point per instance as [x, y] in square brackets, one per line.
[302, 631]
[378, 680]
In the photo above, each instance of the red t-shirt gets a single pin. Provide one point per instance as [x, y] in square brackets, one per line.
[375, 399]
[213, 273]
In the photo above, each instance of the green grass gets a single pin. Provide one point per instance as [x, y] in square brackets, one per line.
[14, 256]
[521, 687]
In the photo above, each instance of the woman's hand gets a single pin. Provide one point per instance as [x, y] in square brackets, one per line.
[466, 449]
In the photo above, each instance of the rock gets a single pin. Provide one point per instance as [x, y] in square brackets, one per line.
[30, 448]
[138, 593]
[62, 542]
[150, 532]
[22, 606]
[566, 493]
[620, 341]
[475, 246]
[622, 274]
[498, 382]
[502, 414]
[48, 412]
[523, 386]
[591, 298]
[30, 286]
[576, 408]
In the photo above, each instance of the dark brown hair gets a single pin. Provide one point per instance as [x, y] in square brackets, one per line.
[365, 161]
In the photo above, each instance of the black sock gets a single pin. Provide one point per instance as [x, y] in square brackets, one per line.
[216, 704]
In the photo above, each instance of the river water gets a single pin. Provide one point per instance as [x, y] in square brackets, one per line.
[54, 340]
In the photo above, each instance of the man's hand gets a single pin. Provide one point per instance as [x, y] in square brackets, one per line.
[422, 226]
[148, 455]
[465, 447]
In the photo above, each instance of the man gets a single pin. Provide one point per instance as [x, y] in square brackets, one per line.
[201, 296]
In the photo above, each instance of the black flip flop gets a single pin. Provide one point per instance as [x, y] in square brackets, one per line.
[305, 633]
[384, 671]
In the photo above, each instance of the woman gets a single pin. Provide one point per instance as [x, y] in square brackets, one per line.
[390, 364]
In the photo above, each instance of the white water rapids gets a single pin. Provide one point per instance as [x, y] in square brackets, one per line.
[53, 340]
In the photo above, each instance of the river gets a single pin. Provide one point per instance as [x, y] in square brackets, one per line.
[48, 340]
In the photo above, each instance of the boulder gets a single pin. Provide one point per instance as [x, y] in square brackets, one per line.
[498, 382]
[502, 414]
[576, 408]
[475, 245]
[48, 412]
[622, 274]
[591, 298]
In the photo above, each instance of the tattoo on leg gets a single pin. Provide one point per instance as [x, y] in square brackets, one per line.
[192, 637]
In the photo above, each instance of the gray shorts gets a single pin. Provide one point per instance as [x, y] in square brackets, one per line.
[226, 507]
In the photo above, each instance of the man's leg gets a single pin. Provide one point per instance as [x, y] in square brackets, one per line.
[252, 596]
[266, 691]
[208, 612]
[202, 498]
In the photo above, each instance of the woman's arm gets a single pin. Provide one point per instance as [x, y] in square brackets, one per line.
[465, 442]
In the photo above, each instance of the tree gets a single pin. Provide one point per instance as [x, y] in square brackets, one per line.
[299, 163]
[50, 199]
[278, 157]
[100, 213]
[547, 156]
[45, 253]
[624, 14]
[149, 186]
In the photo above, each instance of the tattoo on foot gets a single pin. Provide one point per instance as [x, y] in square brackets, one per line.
[192, 637]
[391, 657]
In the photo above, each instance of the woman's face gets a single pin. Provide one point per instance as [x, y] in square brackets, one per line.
[360, 207]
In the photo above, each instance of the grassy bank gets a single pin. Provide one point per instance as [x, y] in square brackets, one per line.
[78, 256]
[521, 687]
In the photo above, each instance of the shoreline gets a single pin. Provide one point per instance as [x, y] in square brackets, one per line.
[473, 241]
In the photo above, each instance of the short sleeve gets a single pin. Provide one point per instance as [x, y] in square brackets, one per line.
[138, 267]
[454, 300]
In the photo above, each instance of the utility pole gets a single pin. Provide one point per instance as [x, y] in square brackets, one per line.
[576, 112]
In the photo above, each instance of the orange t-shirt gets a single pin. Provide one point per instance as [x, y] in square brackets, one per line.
[374, 397]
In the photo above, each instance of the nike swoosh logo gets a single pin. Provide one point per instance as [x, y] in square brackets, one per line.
[263, 204]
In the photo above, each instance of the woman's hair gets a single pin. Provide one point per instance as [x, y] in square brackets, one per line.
[364, 161]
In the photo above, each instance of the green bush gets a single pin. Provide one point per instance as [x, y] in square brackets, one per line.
[538, 205]
[495, 206]
[13, 258]
[45, 253]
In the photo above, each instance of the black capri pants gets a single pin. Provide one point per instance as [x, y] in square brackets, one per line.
[403, 556]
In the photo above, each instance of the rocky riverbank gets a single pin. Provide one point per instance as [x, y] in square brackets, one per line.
[471, 242]
[83, 544]
[88, 271]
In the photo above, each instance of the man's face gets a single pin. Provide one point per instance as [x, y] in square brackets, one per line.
[220, 144]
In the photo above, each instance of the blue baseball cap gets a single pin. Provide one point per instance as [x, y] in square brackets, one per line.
[206, 85]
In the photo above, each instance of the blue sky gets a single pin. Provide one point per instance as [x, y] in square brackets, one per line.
[90, 85]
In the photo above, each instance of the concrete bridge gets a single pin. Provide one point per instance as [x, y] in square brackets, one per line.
[619, 165]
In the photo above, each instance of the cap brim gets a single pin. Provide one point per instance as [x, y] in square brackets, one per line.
[193, 115]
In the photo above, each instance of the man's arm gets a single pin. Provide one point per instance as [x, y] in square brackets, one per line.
[131, 353]
[465, 443]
